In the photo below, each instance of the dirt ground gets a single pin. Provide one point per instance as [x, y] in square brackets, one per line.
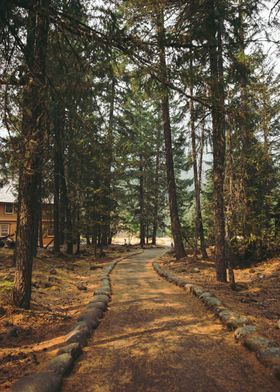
[61, 287]
[157, 338]
[258, 289]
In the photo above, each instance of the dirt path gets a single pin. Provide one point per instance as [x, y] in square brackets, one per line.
[156, 338]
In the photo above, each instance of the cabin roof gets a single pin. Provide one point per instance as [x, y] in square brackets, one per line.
[8, 194]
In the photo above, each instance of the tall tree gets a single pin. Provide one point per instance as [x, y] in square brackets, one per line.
[34, 131]
[171, 183]
[215, 27]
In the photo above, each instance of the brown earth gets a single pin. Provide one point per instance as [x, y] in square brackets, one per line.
[258, 289]
[61, 287]
[157, 338]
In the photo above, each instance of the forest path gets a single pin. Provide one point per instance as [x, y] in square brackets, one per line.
[156, 338]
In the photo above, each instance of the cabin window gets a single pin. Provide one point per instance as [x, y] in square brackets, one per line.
[4, 230]
[9, 208]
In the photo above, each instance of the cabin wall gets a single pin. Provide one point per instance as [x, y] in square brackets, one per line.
[8, 221]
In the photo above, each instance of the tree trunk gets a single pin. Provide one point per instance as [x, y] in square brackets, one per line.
[141, 203]
[41, 241]
[109, 162]
[218, 137]
[171, 183]
[66, 225]
[68, 228]
[33, 133]
[18, 216]
[199, 231]
[58, 116]
[37, 200]
[229, 207]
[78, 239]
[155, 213]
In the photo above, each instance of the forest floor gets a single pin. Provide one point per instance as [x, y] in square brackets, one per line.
[61, 287]
[258, 289]
[154, 337]
[157, 338]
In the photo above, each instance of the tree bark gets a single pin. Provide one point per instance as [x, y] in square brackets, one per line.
[155, 214]
[141, 202]
[66, 224]
[109, 162]
[41, 242]
[58, 119]
[199, 231]
[171, 183]
[218, 136]
[229, 207]
[33, 134]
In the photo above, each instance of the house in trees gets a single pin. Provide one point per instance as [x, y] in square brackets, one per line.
[8, 216]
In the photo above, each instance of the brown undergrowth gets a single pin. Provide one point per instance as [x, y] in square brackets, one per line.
[258, 289]
[61, 287]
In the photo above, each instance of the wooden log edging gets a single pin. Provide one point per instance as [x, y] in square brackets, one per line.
[51, 377]
[266, 350]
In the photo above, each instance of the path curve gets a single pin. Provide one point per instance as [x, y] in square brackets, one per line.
[156, 338]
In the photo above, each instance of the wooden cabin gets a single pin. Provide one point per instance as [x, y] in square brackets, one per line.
[8, 215]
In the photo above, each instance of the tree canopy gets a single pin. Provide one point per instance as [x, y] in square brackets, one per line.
[145, 116]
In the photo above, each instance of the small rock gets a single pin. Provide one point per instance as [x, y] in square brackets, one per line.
[74, 349]
[231, 319]
[98, 304]
[90, 322]
[212, 301]
[270, 357]
[102, 292]
[196, 270]
[257, 342]
[38, 382]
[53, 271]
[92, 311]
[205, 294]
[198, 290]
[241, 332]
[260, 276]
[252, 270]
[61, 364]
[102, 298]
[77, 336]
[181, 282]
[188, 287]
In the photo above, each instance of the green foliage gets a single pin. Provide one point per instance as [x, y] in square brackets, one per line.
[104, 93]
